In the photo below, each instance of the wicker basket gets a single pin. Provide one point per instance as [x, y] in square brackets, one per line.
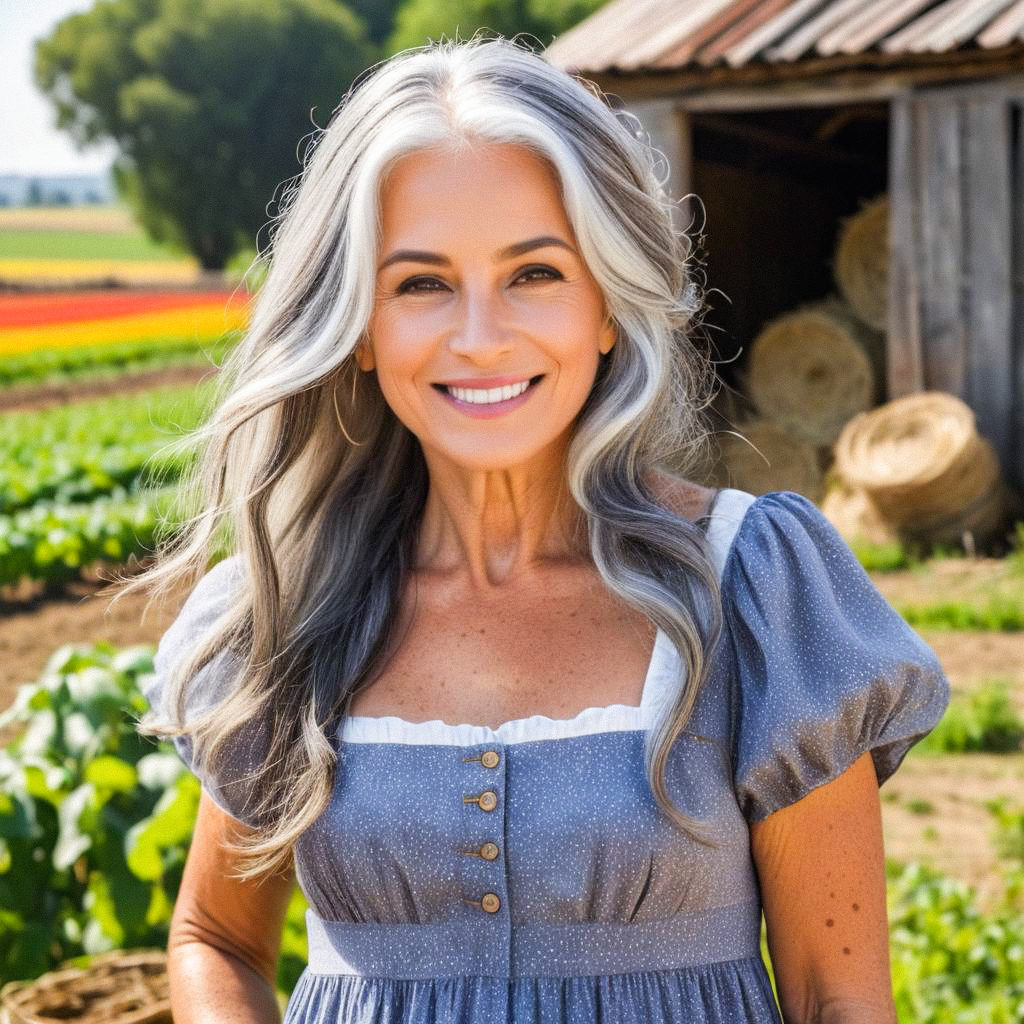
[121, 987]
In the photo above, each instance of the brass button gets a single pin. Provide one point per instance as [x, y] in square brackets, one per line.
[490, 902]
[488, 800]
[489, 851]
[490, 758]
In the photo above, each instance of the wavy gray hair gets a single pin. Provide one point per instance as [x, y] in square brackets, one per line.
[323, 528]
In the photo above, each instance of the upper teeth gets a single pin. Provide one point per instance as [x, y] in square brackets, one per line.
[484, 396]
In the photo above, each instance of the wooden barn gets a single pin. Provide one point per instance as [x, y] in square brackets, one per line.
[785, 117]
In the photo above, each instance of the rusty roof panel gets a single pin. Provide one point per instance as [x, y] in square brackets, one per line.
[636, 35]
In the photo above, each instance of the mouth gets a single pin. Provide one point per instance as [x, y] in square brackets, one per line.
[489, 401]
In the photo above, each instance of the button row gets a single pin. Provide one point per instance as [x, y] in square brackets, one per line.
[486, 801]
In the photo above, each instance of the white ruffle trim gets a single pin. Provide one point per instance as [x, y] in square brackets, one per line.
[661, 683]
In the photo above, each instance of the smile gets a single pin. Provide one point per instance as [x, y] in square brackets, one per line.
[489, 401]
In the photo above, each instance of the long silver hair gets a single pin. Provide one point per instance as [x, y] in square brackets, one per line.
[321, 522]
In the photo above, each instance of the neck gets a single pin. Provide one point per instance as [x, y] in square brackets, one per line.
[497, 526]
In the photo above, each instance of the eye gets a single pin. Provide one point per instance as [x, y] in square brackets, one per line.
[409, 285]
[549, 274]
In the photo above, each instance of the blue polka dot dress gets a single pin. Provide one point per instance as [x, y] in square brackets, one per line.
[466, 875]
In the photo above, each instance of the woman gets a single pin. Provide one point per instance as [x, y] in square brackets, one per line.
[538, 728]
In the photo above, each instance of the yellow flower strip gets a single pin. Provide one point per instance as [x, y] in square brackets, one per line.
[135, 271]
[201, 322]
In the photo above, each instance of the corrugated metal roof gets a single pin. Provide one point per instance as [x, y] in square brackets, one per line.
[635, 35]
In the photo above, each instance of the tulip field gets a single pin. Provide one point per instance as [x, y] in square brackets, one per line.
[109, 350]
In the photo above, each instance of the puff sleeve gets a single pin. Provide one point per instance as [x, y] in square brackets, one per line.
[824, 668]
[203, 607]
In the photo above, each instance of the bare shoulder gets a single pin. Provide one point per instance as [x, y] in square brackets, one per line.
[684, 497]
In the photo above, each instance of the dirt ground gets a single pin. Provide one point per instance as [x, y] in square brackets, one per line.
[933, 807]
[23, 399]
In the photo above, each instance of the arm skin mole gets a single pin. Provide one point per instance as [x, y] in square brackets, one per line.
[821, 866]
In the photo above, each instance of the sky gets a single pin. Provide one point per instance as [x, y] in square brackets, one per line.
[29, 142]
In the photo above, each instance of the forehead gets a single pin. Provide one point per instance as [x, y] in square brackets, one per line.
[480, 184]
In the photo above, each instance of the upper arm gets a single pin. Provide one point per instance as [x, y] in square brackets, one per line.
[243, 918]
[821, 866]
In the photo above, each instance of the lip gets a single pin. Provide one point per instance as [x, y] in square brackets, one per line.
[492, 409]
[485, 383]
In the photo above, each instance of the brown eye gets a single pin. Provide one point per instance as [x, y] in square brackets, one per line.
[550, 274]
[409, 286]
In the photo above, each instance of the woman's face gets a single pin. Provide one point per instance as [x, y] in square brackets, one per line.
[481, 292]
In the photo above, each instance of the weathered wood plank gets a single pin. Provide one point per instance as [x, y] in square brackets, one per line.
[943, 325]
[1015, 469]
[987, 257]
[904, 357]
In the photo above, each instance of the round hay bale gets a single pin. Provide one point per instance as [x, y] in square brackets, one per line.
[852, 512]
[765, 458]
[121, 987]
[809, 371]
[925, 467]
[862, 262]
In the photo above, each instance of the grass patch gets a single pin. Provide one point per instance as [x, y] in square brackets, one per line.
[51, 244]
[1002, 613]
[985, 721]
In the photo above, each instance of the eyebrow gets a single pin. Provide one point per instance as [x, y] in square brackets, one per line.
[436, 258]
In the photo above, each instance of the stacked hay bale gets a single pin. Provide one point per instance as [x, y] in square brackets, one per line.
[921, 465]
[810, 370]
[914, 468]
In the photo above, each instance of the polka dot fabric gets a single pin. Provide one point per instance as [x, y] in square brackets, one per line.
[526, 874]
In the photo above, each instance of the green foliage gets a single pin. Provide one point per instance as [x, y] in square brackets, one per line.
[1003, 613]
[59, 366]
[882, 557]
[207, 101]
[419, 21]
[986, 720]
[953, 963]
[78, 452]
[1008, 836]
[95, 820]
[54, 542]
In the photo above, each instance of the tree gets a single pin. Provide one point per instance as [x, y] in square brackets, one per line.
[420, 20]
[379, 16]
[207, 101]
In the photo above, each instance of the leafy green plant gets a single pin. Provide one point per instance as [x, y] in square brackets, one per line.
[58, 366]
[74, 453]
[985, 720]
[95, 820]
[55, 542]
[953, 963]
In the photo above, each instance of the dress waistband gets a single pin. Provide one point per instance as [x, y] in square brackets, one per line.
[497, 948]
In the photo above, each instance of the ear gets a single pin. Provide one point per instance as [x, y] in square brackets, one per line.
[609, 335]
[364, 355]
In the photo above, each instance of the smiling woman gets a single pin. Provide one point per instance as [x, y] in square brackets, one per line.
[515, 706]
[493, 332]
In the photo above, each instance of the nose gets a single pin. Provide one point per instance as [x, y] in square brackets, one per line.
[482, 333]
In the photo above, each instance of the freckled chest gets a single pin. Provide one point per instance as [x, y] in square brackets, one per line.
[566, 645]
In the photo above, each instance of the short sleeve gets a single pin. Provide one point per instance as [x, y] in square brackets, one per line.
[208, 600]
[824, 668]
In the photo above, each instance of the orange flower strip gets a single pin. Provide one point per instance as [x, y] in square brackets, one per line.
[67, 307]
[201, 321]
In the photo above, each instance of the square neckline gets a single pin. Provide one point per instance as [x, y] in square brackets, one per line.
[597, 718]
